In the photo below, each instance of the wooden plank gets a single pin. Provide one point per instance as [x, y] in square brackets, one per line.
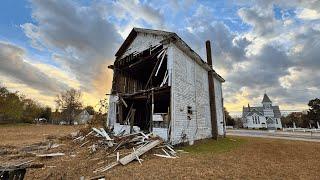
[124, 102]
[107, 167]
[84, 143]
[102, 177]
[105, 134]
[50, 155]
[158, 56]
[129, 113]
[152, 73]
[120, 112]
[88, 134]
[164, 156]
[132, 120]
[137, 157]
[23, 163]
[173, 151]
[118, 156]
[152, 111]
[127, 159]
[165, 152]
[164, 54]
[145, 136]
[98, 131]
[164, 79]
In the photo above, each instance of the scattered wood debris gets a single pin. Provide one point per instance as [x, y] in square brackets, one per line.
[129, 146]
[101, 146]
[139, 152]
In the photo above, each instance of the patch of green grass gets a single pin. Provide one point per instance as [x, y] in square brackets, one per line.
[213, 146]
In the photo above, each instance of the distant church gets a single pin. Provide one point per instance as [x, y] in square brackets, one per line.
[267, 116]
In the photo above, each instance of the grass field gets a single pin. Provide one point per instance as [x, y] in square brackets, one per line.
[229, 158]
[23, 134]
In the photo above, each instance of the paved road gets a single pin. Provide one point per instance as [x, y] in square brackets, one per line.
[301, 136]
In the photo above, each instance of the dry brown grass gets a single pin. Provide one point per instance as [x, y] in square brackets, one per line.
[23, 134]
[255, 159]
[231, 158]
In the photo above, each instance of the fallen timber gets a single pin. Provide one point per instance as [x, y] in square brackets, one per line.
[104, 147]
[137, 143]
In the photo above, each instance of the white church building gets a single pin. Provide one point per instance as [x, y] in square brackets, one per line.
[265, 116]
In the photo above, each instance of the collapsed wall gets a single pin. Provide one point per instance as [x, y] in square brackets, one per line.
[140, 95]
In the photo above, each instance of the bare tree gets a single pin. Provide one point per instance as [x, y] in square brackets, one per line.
[69, 103]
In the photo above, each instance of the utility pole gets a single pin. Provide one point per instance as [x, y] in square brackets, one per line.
[213, 111]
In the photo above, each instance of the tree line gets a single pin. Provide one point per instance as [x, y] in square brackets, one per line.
[306, 119]
[17, 108]
[230, 121]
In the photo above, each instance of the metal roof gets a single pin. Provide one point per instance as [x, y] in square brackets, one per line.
[248, 111]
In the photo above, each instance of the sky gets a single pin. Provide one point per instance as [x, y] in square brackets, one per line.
[49, 46]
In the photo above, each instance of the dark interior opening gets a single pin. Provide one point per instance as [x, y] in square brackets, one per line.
[137, 77]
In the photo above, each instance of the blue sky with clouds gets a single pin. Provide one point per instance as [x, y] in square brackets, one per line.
[49, 46]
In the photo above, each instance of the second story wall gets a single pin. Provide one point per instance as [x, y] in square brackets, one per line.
[142, 42]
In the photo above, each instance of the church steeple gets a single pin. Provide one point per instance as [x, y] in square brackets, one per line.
[266, 102]
[266, 99]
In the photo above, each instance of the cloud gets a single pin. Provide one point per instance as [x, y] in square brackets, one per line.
[262, 21]
[273, 56]
[181, 4]
[263, 70]
[269, 45]
[129, 14]
[30, 92]
[308, 14]
[57, 73]
[228, 47]
[80, 38]
[140, 11]
[308, 56]
[14, 65]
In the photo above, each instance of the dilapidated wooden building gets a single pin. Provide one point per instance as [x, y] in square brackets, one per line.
[161, 85]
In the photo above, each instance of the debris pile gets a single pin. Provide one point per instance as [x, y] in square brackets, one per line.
[103, 149]
[125, 147]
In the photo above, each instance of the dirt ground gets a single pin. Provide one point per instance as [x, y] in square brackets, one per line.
[229, 158]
